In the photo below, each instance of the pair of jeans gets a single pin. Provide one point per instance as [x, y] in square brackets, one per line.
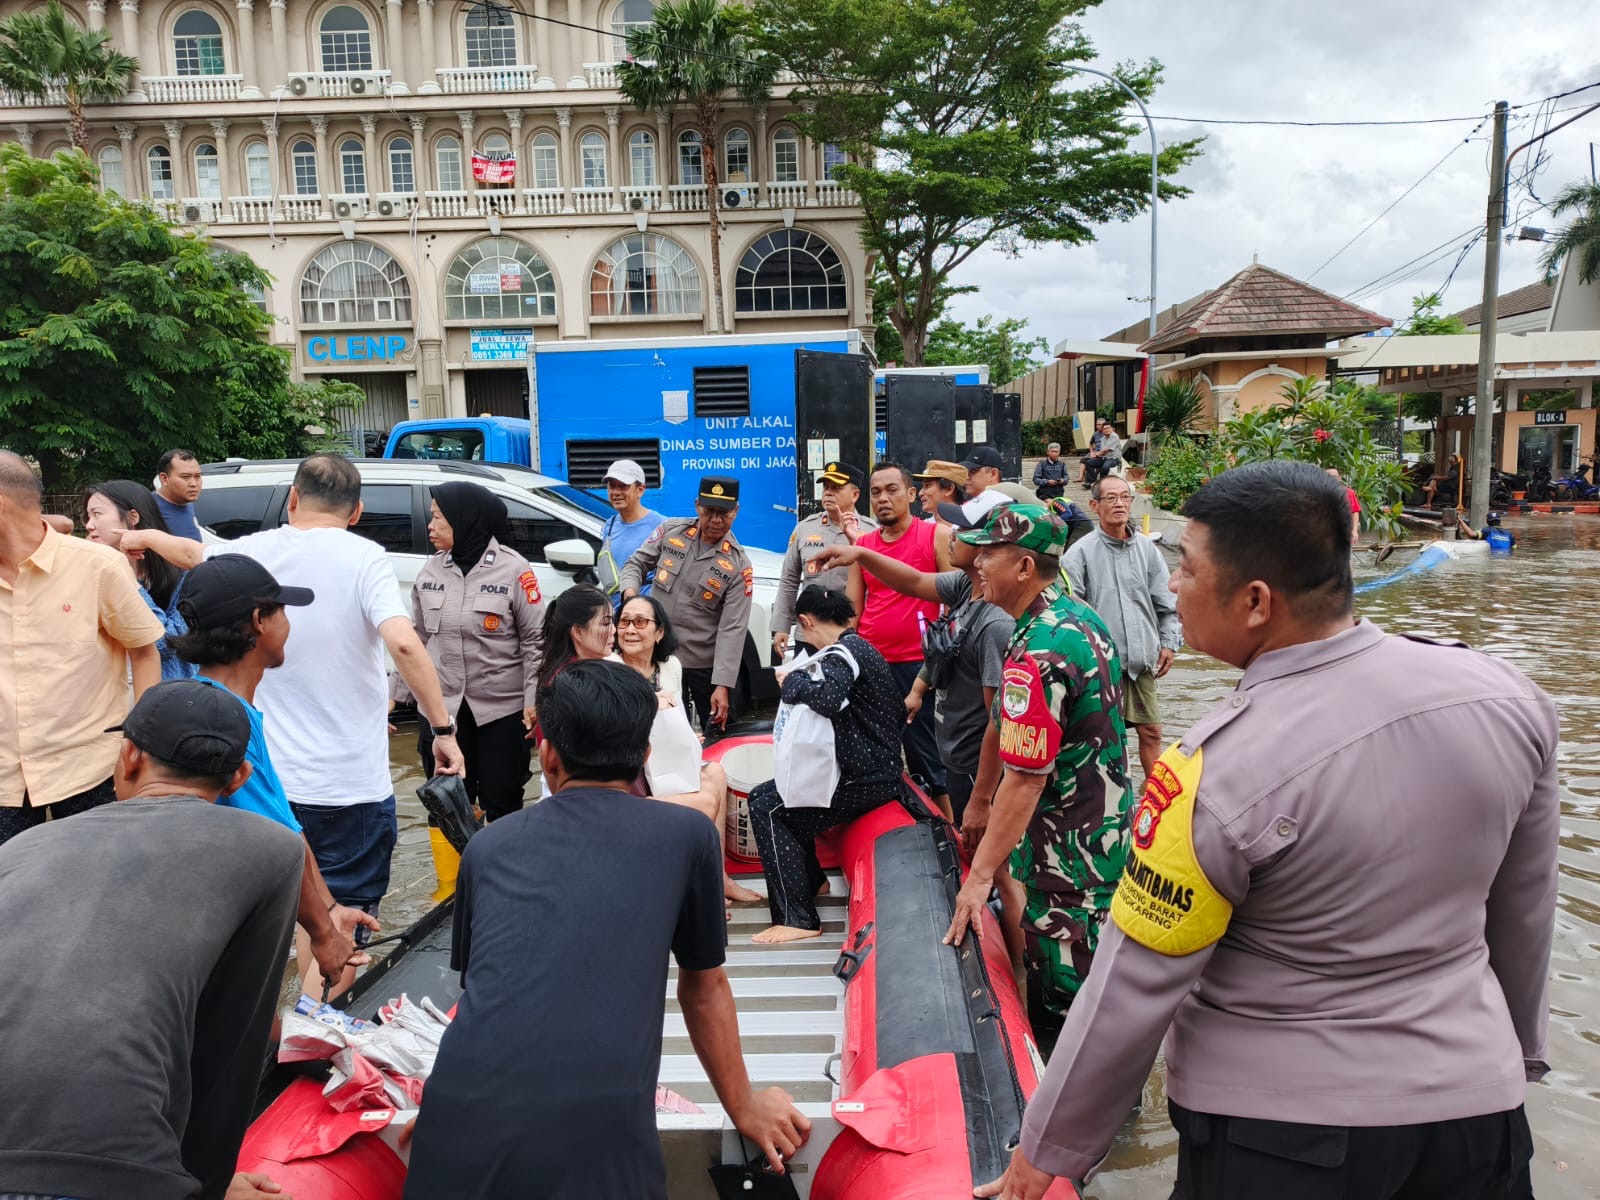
[352, 844]
[18, 820]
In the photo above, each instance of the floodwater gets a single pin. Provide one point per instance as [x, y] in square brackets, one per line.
[1533, 609]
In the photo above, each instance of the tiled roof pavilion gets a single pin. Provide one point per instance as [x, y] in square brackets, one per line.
[1258, 303]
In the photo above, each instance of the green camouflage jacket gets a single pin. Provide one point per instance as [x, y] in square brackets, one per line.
[1059, 713]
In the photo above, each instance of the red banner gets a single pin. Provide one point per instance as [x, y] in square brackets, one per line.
[499, 167]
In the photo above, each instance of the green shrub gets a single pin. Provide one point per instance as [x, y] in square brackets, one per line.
[1037, 435]
[1177, 473]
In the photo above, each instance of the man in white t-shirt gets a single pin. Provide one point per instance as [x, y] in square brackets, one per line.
[326, 707]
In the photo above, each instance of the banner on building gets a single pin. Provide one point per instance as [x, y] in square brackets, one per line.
[499, 166]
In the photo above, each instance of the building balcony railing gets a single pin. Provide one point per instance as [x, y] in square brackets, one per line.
[326, 85]
[462, 80]
[458, 202]
[53, 97]
[173, 89]
[544, 202]
[601, 75]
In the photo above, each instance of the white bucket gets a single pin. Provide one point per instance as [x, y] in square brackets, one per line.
[746, 766]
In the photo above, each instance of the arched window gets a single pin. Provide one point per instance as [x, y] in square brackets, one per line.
[496, 143]
[625, 18]
[690, 167]
[346, 40]
[303, 164]
[592, 154]
[159, 162]
[257, 169]
[546, 161]
[402, 166]
[353, 283]
[736, 156]
[645, 274]
[642, 159]
[786, 156]
[111, 176]
[197, 44]
[207, 172]
[789, 270]
[832, 159]
[491, 36]
[498, 279]
[352, 167]
[447, 158]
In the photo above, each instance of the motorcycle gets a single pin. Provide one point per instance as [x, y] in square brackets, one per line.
[1540, 490]
[1576, 486]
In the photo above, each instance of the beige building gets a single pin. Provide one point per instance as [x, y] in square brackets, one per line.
[333, 142]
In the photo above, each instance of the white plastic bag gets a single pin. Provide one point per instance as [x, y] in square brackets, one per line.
[673, 768]
[805, 764]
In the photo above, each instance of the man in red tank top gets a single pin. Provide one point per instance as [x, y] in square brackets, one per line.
[892, 622]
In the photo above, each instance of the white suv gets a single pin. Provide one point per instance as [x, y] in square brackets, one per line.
[549, 527]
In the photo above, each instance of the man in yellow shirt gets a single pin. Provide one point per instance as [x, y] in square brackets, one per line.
[72, 626]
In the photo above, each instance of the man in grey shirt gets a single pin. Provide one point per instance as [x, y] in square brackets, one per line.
[1340, 894]
[1119, 572]
[146, 942]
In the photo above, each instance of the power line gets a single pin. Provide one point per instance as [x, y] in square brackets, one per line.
[1395, 274]
[1394, 203]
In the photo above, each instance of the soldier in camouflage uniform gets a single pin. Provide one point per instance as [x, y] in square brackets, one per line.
[1060, 813]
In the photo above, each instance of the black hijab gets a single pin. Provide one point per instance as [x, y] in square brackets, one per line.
[475, 514]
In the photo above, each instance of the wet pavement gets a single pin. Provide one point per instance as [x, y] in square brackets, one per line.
[1535, 609]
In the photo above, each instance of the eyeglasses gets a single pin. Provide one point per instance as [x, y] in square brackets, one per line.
[1117, 498]
[634, 622]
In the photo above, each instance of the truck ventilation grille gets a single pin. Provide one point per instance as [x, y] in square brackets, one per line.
[587, 460]
[722, 391]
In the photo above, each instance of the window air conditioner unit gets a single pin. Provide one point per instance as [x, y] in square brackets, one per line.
[193, 214]
[638, 204]
[738, 198]
[366, 85]
[301, 86]
[393, 204]
[349, 207]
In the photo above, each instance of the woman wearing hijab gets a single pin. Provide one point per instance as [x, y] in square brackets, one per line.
[477, 608]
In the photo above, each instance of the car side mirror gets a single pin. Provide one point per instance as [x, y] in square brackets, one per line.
[570, 556]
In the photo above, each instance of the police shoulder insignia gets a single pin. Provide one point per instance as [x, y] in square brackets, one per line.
[656, 534]
[749, 581]
[1164, 900]
[1030, 736]
[529, 583]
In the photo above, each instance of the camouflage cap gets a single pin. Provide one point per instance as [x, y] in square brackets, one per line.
[1031, 526]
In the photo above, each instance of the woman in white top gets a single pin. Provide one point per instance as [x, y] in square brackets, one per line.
[645, 642]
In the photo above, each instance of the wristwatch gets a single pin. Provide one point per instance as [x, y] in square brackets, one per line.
[448, 730]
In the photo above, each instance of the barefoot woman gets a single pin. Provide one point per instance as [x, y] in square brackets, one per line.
[868, 712]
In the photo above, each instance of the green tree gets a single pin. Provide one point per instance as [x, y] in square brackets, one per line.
[46, 51]
[1425, 320]
[118, 337]
[1004, 347]
[1581, 238]
[967, 128]
[288, 422]
[699, 52]
[1173, 408]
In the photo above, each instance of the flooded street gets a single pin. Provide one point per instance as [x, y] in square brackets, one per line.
[1532, 609]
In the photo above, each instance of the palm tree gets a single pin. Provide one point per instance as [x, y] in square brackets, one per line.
[1172, 408]
[698, 52]
[46, 52]
[1581, 238]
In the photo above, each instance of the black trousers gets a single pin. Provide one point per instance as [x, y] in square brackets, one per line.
[697, 682]
[919, 738]
[18, 820]
[1096, 468]
[1471, 1158]
[959, 784]
[497, 759]
[787, 839]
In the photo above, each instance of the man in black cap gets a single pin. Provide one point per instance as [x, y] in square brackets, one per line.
[138, 999]
[701, 575]
[838, 524]
[983, 473]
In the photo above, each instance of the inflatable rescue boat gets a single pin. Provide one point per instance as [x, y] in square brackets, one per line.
[913, 1059]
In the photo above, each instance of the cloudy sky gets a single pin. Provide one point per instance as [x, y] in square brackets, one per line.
[1293, 196]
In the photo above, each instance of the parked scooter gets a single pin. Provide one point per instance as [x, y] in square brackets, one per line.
[1540, 490]
[1576, 486]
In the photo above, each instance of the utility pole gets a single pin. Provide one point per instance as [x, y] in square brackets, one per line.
[1483, 415]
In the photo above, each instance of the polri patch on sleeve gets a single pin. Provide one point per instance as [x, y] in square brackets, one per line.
[656, 534]
[749, 582]
[1030, 736]
[529, 583]
[1164, 900]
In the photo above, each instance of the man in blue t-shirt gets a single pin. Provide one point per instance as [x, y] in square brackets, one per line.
[178, 483]
[627, 531]
[238, 625]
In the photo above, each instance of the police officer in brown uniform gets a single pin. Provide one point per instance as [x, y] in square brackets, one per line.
[700, 574]
[838, 524]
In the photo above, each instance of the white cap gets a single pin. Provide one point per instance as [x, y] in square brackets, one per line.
[978, 508]
[625, 470]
